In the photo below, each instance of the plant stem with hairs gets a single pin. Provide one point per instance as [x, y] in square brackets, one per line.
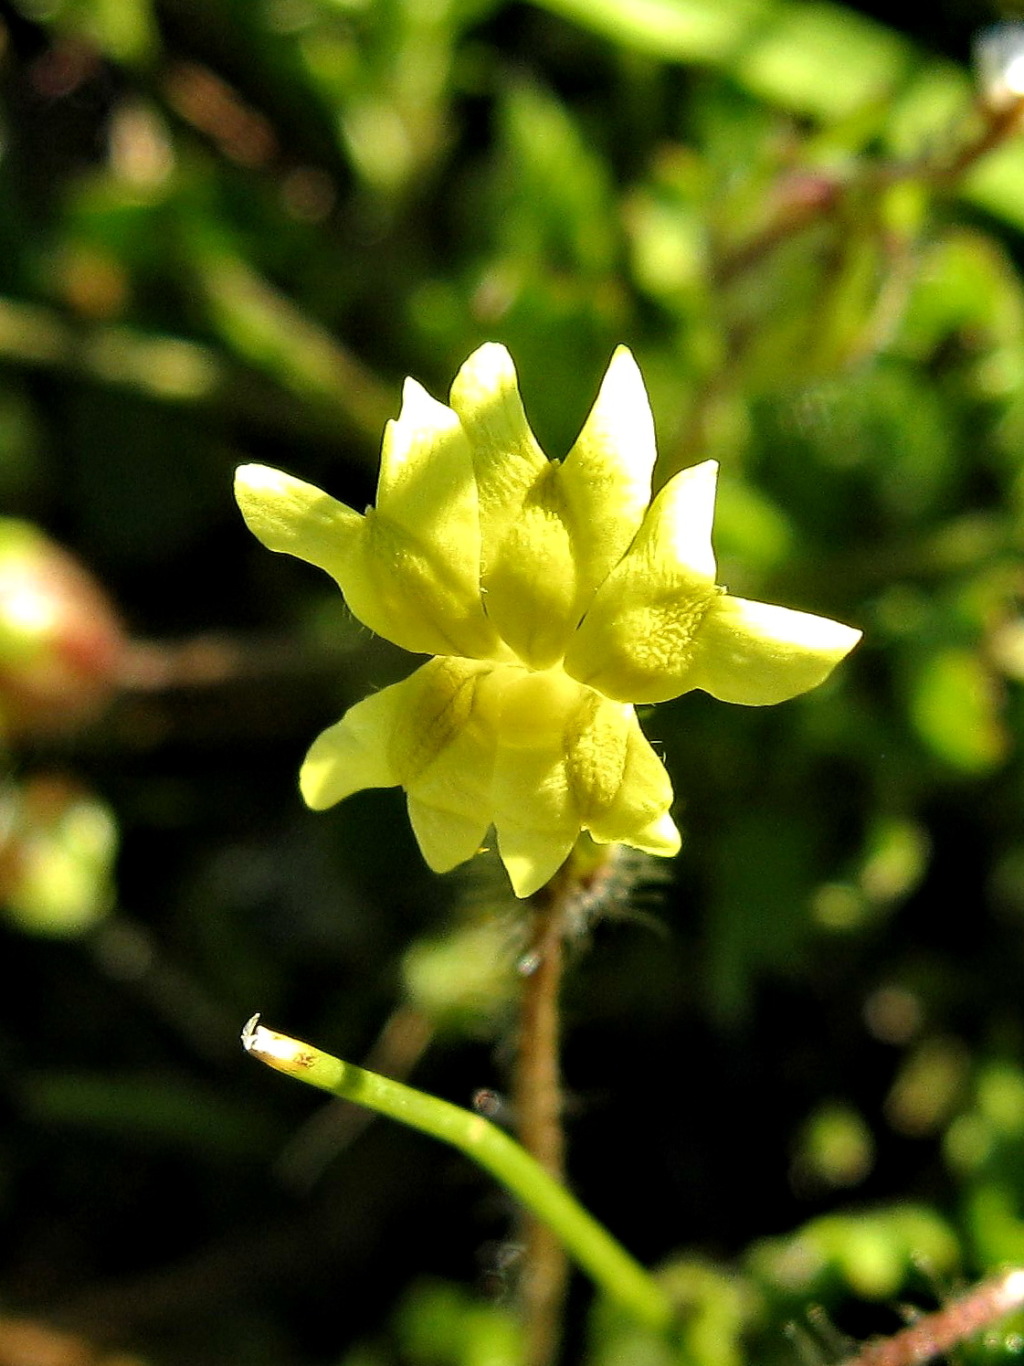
[537, 1098]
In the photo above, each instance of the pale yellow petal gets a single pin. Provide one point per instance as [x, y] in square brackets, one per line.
[528, 570]
[676, 533]
[296, 518]
[421, 561]
[661, 838]
[443, 747]
[620, 785]
[583, 764]
[536, 817]
[401, 588]
[419, 587]
[506, 457]
[606, 478]
[440, 707]
[757, 654]
[445, 838]
[635, 642]
[532, 857]
[529, 588]
[426, 482]
[354, 753]
[427, 492]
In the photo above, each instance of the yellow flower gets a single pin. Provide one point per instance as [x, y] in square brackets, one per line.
[553, 596]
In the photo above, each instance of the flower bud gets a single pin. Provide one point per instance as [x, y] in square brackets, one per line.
[61, 643]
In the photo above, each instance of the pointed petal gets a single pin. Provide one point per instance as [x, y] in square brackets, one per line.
[297, 518]
[427, 491]
[620, 784]
[418, 588]
[422, 552]
[536, 816]
[635, 642]
[676, 534]
[661, 837]
[532, 857]
[569, 760]
[353, 754]
[606, 478]
[445, 839]
[444, 748]
[528, 573]
[506, 456]
[426, 474]
[757, 654]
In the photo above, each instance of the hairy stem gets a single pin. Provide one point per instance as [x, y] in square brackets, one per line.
[537, 1098]
[936, 1334]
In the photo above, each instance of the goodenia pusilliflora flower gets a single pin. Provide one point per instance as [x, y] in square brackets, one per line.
[553, 596]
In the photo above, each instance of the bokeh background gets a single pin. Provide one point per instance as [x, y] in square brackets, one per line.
[794, 1057]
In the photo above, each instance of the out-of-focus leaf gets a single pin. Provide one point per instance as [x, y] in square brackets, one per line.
[929, 111]
[124, 29]
[815, 58]
[822, 60]
[558, 196]
[674, 30]
[715, 1308]
[264, 327]
[996, 184]
[873, 1254]
[966, 289]
[757, 926]
[835, 1149]
[751, 529]
[151, 1111]
[463, 981]
[954, 706]
[441, 1325]
[928, 1086]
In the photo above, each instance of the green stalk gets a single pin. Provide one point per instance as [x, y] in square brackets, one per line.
[610, 1266]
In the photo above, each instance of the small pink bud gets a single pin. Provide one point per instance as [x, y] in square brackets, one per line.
[61, 642]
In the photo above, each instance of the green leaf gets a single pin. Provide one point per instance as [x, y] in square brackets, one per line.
[674, 30]
[823, 60]
[954, 709]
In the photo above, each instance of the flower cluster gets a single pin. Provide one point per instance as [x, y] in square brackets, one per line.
[553, 596]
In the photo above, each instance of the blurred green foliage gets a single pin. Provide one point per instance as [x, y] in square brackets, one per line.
[796, 1062]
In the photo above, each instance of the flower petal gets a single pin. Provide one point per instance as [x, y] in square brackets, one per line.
[757, 654]
[635, 643]
[536, 816]
[506, 456]
[532, 857]
[443, 746]
[676, 534]
[621, 787]
[421, 560]
[661, 838]
[445, 839]
[354, 753]
[296, 518]
[606, 477]
[427, 733]
[528, 569]
[412, 580]
[569, 760]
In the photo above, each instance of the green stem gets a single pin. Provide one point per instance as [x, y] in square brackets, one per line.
[611, 1267]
